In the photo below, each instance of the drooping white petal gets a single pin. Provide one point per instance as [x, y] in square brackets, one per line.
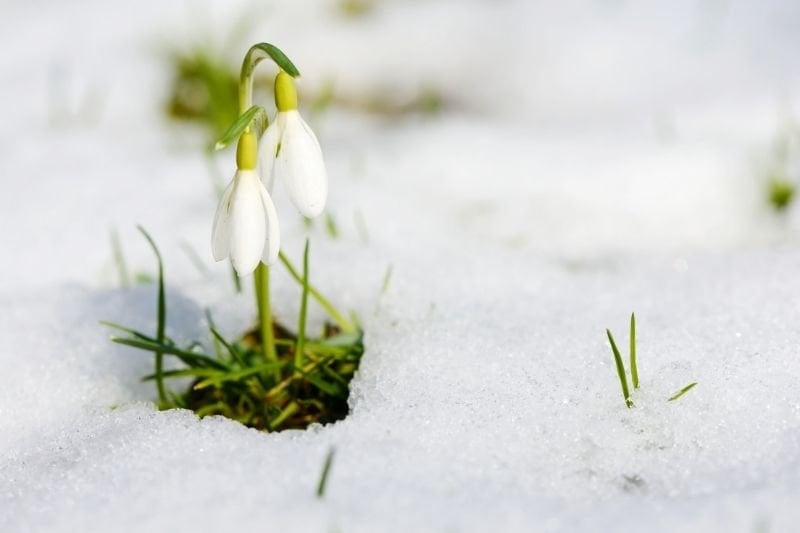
[248, 231]
[268, 149]
[301, 166]
[221, 229]
[272, 246]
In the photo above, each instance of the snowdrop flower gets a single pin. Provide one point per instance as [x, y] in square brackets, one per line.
[246, 224]
[292, 151]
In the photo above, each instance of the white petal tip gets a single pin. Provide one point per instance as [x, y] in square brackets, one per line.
[245, 269]
[310, 211]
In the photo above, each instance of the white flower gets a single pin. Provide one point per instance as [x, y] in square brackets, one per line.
[246, 224]
[292, 153]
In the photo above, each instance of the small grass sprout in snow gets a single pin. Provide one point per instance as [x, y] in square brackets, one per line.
[326, 472]
[784, 168]
[620, 366]
[681, 392]
[623, 378]
[331, 227]
[119, 260]
[781, 193]
[270, 378]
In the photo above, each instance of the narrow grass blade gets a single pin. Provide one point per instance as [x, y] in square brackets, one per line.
[387, 278]
[332, 389]
[337, 317]
[119, 260]
[287, 411]
[361, 225]
[634, 370]
[301, 326]
[186, 373]
[194, 258]
[623, 379]
[237, 281]
[190, 358]
[219, 407]
[331, 373]
[234, 353]
[212, 326]
[162, 317]
[129, 331]
[343, 339]
[220, 378]
[326, 471]
[306, 373]
[322, 349]
[330, 226]
[681, 392]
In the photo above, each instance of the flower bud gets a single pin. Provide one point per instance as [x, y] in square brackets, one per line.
[247, 151]
[285, 92]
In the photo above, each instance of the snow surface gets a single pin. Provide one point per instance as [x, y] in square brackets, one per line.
[592, 159]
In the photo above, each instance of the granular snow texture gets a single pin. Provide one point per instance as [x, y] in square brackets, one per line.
[591, 160]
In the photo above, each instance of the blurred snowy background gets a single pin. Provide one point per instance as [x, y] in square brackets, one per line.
[531, 172]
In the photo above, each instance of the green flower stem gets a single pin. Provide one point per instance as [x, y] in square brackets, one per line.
[254, 56]
[265, 313]
[345, 325]
[246, 79]
[299, 354]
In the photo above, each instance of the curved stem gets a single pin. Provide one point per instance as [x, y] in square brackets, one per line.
[254, 56]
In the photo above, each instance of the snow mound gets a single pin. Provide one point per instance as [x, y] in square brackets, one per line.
[588, 178]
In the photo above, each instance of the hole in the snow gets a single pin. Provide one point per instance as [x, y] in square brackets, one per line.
[269, 378]
[279, 396]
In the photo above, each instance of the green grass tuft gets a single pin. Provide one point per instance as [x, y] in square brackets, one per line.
[307, 382]
[623, 378]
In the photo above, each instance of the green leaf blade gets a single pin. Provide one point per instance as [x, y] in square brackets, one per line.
[623, 380]
[279, 57]
[162, 319]
[681, 392]
[256, 115]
